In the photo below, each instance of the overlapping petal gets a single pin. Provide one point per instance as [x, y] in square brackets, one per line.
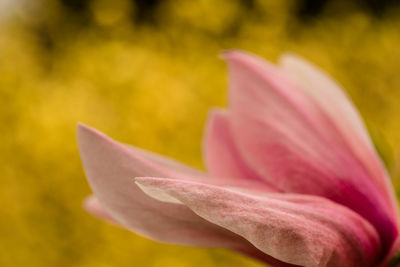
[294, 141]
[221, 156]
[298, 229]
[220, 153]
[293, 177]
[333, 100]
[110, 168]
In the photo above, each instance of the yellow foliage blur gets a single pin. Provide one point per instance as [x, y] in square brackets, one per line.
[150, 85]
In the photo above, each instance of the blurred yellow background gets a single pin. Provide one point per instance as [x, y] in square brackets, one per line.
[146, 74]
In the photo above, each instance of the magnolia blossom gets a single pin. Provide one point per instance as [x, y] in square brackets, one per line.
[292, 178]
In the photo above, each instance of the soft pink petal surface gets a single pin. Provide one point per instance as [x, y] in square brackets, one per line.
[288, 138]
[220, 153]
[288, 129]
[333, 100]
[168, 165]
[222, 157]
[303, 230]
[92, 206]
[110, 168]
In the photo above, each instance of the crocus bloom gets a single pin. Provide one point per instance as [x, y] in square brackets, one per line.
[292, 179]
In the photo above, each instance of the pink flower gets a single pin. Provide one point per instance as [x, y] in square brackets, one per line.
[292, 176]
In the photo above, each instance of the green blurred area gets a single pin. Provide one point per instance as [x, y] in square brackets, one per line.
[151, 84]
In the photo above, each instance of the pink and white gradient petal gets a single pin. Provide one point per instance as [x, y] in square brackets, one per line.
[298, 229]
[221, 156]
[110, 168]
[334, 101]
[289, 138]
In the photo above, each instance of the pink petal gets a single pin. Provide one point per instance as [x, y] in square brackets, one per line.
[297, 229]
[168, 165]
[345, 117]
[92, 206]
[291, 140]
[325, 90]
[110, 168]
[220, 153]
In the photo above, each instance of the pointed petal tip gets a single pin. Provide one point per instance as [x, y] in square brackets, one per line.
[287, 57]
[87, 135]
[215, 113]
[88, 203]
[213, 117]
[225, 53]
[85, 129]
[81, 127]
[231, 54]
[81, 124]
[153, 187]
[149, 181]
[92, 206]
[142, 182]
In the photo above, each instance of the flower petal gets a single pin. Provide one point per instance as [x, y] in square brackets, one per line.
[110, 168]
[92, 206]
[337, 105]
[220, 153]
[325, 90]
[168, 165]
[288, 138]
[298, 229]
